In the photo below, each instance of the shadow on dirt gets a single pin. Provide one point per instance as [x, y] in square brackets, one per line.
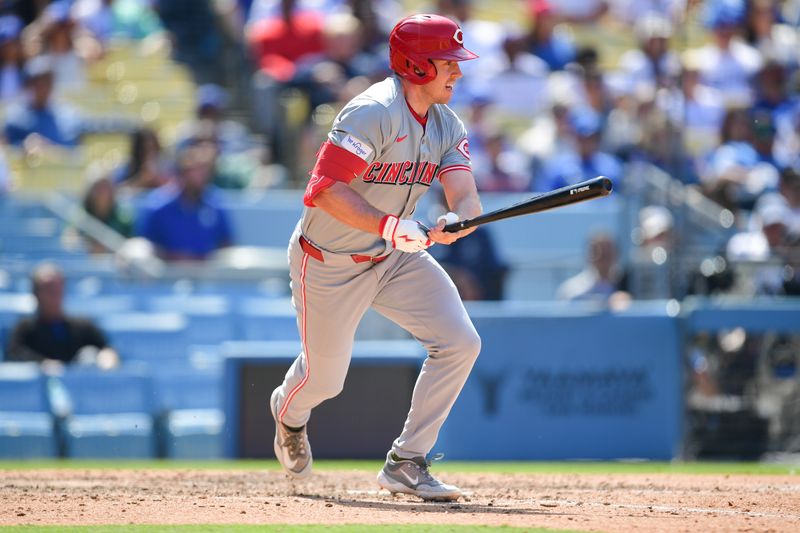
[431, 507]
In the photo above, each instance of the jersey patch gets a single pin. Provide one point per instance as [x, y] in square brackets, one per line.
[463, 147]
[356, 146]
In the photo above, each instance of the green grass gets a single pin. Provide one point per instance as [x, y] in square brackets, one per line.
[282, 528]
[501, 467]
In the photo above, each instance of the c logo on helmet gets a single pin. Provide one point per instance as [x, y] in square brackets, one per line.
[458, 36]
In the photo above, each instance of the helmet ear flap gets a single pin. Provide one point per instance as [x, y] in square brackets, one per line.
[425, 74]
[417, 72]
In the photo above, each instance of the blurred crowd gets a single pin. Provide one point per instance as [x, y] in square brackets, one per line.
[707, 91]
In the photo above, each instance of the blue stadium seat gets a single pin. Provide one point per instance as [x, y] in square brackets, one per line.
[27, 425]
[267, 319]
[192, 418]
[111, 415]
[147, 336]
[209, 318]
[99, 305]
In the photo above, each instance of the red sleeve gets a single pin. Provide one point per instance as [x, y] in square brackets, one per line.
[334, 163]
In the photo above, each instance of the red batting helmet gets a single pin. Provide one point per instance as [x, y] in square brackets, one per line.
[417, 39]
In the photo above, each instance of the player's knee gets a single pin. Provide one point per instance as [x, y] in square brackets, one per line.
[469, 344]
[330, 388]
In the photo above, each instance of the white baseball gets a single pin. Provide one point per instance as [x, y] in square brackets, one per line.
[449, 218]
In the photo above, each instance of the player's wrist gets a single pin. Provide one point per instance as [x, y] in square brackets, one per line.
[388, 226]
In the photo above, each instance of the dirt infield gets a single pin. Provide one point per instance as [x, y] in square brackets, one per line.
[587, 502]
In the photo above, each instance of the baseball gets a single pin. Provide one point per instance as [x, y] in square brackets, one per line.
[449, 218]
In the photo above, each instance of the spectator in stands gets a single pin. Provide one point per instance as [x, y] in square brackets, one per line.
[630, 12]
[105, 19]
[737, 173]
[229, 171]
[728, 63]
[57, 34]
[100, 202]
[38, 118]
[146, 168]
[513, 78]
[766, 33]
[602, 279]
[498, 166]
[771, 86]
[594, 90]
[789, 187]
[211, 102]
[278, 42]
[187, 222]
[580, 11]
[769, 244]
[550, 134]
[11, 59]
[788, 196]
[341, 70]
[377, 17]
[546, 40]
[697, 109]
[572, 166]
[97, 16]
[652, 65]
[52, 337]
[775, 96]
[652, 273]
[763, 138]
[195, 38]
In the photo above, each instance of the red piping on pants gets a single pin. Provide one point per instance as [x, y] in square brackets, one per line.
[302, 340]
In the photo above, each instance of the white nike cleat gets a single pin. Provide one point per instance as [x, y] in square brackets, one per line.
[292, 448]
[411, 476]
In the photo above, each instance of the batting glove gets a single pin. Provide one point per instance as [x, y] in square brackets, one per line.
[405, 235]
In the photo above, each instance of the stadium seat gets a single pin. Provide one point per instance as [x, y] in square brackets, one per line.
[27, 424]
[209, 318]
[147, 336]
[111, 414]
[267, 319]
[274, 319]
[191, 421]
[100, 305]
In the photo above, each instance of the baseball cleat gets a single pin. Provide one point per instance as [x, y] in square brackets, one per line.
[411, 476]
[291, 447]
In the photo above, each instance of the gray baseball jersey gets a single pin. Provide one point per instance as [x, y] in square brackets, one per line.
[403, 156]
[334, 281]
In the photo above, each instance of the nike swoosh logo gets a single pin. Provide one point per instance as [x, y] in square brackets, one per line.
[413, 480]
[401, 139]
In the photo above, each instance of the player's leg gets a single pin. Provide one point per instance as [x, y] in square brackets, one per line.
[330, 301]
[419, 296]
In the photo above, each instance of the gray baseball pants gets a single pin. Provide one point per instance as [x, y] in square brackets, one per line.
[412, 290]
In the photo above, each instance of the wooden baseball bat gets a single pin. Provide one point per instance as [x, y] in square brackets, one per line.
[571, 194]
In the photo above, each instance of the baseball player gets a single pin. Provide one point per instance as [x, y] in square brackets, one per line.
[357, 246]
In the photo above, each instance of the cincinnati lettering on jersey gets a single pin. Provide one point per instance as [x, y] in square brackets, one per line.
[402, 173]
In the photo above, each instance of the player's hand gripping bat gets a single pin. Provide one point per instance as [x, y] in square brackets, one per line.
[571, 194]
